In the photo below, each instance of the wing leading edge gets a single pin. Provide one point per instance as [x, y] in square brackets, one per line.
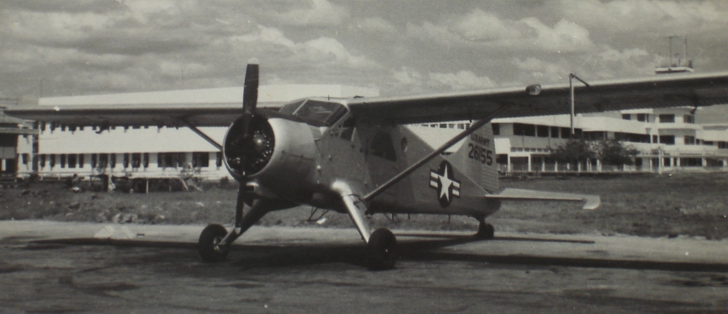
[654, 92]
[178, 115]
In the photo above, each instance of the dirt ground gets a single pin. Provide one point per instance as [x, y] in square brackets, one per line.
[692, 204]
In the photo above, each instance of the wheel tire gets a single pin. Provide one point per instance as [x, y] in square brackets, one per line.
[382, 249]
[208, 246]
[485, 231]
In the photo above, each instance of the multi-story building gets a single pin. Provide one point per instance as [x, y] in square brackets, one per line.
[667, 140]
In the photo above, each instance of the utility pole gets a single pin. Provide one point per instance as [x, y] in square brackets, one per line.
[573, 76]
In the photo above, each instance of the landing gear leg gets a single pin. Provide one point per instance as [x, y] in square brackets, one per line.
[381, 244]
[214, 243]
[485, 230]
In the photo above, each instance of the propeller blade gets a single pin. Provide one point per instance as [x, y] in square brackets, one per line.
[250, 91]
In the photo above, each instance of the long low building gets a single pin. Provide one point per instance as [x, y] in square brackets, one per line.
[667, 139]
[149, 151]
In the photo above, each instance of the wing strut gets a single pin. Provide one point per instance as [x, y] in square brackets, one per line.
[474, 127]
[202, 134]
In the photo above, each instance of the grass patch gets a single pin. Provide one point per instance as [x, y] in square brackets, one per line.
[691, 204]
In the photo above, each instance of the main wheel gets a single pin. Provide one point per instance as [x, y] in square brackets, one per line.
[382, 248]
[209, 244]
[485, 231]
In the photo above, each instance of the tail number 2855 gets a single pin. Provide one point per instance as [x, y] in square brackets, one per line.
[481, 154]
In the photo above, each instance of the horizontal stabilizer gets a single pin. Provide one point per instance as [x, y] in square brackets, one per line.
[590, 201]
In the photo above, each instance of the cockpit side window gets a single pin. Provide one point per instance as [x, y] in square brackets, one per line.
[320, 113]
[291, 107]
[382, 146]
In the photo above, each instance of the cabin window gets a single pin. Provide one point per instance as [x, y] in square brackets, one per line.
[382, 146]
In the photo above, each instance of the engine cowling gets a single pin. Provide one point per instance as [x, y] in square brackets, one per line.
[280, 155]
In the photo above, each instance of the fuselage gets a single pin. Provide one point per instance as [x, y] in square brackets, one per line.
[315, 143]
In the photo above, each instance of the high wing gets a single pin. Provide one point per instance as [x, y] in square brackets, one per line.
[180, 115]
[654, 92]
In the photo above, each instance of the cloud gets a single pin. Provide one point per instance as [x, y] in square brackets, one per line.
[666, 17]
[375, 25]
[462, 80]
[483, 29]
[436, 81]
[319, 13]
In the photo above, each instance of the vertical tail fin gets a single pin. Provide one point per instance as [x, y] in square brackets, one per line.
[477, 158]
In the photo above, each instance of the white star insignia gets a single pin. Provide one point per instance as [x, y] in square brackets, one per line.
[444, 183]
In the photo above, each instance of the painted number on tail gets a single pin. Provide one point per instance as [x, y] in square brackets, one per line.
[481, 154]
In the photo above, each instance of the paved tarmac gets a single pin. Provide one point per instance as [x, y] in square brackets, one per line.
[114, 268]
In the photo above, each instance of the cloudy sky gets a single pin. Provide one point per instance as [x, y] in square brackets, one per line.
[401, 47]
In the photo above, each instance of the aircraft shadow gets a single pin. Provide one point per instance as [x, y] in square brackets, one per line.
[429, 248]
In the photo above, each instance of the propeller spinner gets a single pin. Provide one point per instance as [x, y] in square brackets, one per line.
[249, 142]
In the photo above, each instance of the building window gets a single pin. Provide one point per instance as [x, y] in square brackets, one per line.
[42, 161]
[555, 132]
[80, 160]
[63, 160]
[723, 145]
[689, 140]
[52, 161]
[218, 159]
[94, 159]
[667, 118]
[542, 131]
[136, 160]
[654, 139]
[667, 139]
[524, 129]
[125, 161]
[496, 128]
[626, 116]
[145, 161]
[565, 132]
[72, 160]
[103, 161]
[643, 117]
[200, 159]
[688, 118]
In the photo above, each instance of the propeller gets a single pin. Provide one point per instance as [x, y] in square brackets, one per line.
[250, 97]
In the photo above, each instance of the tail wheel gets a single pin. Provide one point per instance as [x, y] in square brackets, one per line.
[209, 244]
[382, 248]
[485, 231]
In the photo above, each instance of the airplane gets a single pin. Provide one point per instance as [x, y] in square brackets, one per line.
[358, 156]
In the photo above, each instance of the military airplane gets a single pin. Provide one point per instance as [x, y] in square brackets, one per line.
[359, 156]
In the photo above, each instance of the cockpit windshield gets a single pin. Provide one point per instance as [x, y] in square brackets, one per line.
[315, 112]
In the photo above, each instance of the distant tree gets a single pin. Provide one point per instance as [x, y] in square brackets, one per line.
[613, 152]
[573, 151]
